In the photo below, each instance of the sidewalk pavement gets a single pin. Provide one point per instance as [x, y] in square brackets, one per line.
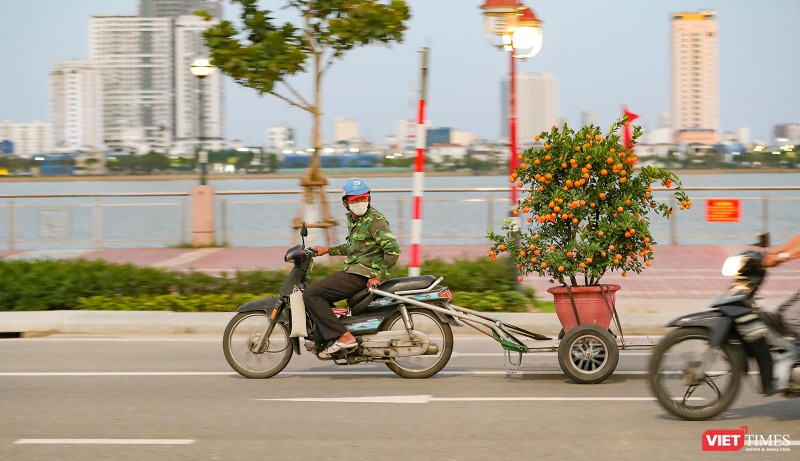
[683, 279]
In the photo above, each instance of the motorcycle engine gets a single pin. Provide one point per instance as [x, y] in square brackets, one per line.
[311, 346]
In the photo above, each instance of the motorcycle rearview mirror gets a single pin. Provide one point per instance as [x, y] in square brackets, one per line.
[763, 240]
[303, 234]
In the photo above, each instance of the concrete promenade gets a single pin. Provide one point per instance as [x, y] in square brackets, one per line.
[683, 278]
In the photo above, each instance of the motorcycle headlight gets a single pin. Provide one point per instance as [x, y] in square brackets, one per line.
[293, 253]
[732, 266]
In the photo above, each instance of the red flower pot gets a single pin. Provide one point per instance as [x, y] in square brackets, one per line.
[590, 303]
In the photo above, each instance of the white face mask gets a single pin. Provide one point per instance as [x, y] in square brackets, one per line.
[359, 208]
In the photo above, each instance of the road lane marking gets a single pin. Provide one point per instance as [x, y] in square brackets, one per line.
[105, 441]
[282, 374]
[416, 399]
[547, 354]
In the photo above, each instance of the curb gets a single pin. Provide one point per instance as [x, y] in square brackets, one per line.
[39, 323]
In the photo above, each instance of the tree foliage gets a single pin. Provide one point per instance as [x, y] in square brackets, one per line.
[260, 53]
[588, 211]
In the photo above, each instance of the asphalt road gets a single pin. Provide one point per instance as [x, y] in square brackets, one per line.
[176, 398]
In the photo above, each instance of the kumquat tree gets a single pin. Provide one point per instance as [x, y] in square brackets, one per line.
[588, 211]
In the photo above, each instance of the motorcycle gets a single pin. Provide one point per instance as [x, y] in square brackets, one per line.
[696, 370]
[414, 342]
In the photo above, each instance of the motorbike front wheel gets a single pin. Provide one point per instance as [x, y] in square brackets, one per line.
[678, 384]
[240, 342]
[440, 335]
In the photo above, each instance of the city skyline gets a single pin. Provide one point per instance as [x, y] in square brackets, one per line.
[585, 47]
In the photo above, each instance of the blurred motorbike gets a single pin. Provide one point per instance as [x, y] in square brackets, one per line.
[696, 370]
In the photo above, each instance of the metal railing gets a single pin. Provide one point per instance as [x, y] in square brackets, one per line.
[264, 218]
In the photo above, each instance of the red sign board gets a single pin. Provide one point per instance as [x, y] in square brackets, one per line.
[722, 210]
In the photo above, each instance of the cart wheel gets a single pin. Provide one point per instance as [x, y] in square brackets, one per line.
[588, 354]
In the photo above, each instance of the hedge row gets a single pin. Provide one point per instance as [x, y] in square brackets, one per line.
[507, 301]
[75, 284]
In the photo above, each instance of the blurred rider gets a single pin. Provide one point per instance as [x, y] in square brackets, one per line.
[779, 255]
[371, 251]
[754, 330]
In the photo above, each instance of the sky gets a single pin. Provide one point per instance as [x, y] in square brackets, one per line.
[604, 53]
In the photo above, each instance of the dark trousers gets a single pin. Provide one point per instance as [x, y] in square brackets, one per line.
[319, 296]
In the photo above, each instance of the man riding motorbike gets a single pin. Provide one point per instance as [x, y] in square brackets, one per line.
[754, 329]
[371, 251]
[779, 255]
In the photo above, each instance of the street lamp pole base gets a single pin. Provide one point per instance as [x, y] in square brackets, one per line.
[203, 222]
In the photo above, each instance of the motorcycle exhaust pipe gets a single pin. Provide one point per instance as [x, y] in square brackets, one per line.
[433, 349]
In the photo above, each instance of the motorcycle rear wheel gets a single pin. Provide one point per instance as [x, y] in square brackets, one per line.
[239, 341]
[439, 333]
[670, 381]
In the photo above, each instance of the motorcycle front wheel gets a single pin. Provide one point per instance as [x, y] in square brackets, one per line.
[240, 342]
[440, 335]
[680, 388]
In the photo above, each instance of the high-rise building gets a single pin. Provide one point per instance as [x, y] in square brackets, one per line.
[189, 45]
[345, 129]
[743, 135]
[695, 81]
[448, 135]
[407, 135]
[175, 8]
[28, 139]
[786, 133]
[280, 138]
[537, 105]
[134, 58]
[75, 106]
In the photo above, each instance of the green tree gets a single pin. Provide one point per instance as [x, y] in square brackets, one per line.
[153, 161]
[272, 162]
[13, 164]
[261, 54]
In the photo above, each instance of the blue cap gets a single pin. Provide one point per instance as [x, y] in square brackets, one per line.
[354, 186]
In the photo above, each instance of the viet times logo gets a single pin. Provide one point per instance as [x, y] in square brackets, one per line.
[738, 439]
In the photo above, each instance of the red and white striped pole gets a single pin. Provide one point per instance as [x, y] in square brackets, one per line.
[512, 127]
[419, 172]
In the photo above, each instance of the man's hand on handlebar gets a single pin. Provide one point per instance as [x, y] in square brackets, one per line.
[321, 251]
[373, 283]
[771, 260]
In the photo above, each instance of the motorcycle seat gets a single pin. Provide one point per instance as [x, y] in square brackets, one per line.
[407, 283]
[359, 301]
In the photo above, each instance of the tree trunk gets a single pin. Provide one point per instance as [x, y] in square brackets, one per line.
[314, 174]
[314, 207]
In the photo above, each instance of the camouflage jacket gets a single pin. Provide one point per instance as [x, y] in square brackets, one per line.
[371, 248]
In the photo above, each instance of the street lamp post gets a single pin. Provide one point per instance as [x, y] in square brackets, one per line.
[202, 196]
[202, 68]
[520, 35]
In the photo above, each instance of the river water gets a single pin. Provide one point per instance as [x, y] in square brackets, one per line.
[265, 220]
